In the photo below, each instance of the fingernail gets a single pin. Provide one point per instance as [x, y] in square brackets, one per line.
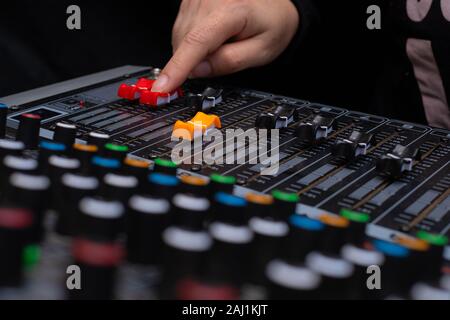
[202, 70]
[160, 83]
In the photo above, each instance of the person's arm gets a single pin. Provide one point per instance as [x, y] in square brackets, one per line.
[309, 19]
[218, 37]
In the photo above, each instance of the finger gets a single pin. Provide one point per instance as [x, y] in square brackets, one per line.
[197, 45]
[234, 57]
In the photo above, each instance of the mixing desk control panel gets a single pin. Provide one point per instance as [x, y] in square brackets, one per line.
[88, 180]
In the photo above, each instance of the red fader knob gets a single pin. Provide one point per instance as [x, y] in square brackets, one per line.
[142, 90]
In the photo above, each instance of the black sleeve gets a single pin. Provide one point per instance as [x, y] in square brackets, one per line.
[309, 20]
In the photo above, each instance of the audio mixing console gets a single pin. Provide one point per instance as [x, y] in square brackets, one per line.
[86, 180]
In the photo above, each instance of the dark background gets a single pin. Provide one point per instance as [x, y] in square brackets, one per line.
[339, 63]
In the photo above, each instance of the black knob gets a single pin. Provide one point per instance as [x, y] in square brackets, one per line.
[117, 186]
[356, 231]
[102, 166]
[65, 133]
[287, 274]
[359, 253]
[101, 219]
[434, 255]
[3, 118]
[28, 131]
[146, 220]
[285, 204]
[429, 291]
[15, 224]
[317, 129]
[74, 187]
[98, 262]
[269, 234]
[186, 241]
[228, 260]
[304, 236]
[30, 191]
[165, 166]
[10, 147]
[396, 279]
[162, 185]
[137, 168]
[57, 166]
[220, 183]
[85, 153]
[194, 185]
[183, 254]
[261, 206]
[189, 211]
[112, 150]
[48, 149]
[336, 272]
[334, 235]
[229, 208]
[98, 139]
[290, 281]
[12, 164]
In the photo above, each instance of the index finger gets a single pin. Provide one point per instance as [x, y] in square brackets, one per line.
[202, 40]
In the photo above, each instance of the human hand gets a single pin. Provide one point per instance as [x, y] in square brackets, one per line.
[219, 37]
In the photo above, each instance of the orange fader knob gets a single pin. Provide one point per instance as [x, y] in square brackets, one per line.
[196, 127]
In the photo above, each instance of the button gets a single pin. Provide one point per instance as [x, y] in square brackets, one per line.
[196, 127]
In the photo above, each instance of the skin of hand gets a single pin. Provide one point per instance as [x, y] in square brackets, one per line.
[218, 37]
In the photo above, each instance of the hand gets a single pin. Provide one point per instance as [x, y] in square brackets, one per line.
[219, 37]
